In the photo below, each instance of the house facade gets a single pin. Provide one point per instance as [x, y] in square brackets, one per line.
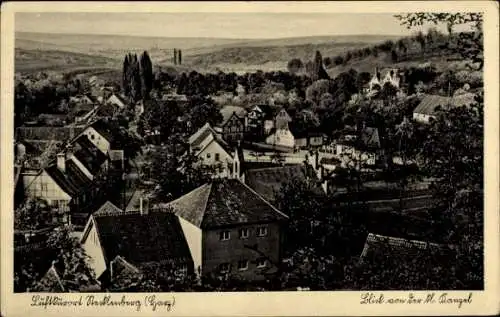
[281, 137]
[233, 129]
[230, 229]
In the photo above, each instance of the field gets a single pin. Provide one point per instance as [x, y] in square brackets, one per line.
[35, 52]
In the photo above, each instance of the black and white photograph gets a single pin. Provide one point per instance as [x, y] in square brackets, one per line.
[248, 152]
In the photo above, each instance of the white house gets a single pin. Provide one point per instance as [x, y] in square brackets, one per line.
[212, 150]
[117, 100]
[426, 109]
[281, 137]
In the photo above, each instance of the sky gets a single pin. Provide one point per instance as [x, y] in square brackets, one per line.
[221, 25]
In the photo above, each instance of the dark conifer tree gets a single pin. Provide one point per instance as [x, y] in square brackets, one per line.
[318, 70]
[125, 78]
[179, 54]
[175, 56]
[146, 72]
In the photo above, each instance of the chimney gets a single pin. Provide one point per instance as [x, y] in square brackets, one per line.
[61, 162]
[316, 160]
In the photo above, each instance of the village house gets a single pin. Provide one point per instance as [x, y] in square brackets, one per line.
[306, 138]
[66, 178]
[212, 150]
[379, 79]
[117, 100]
[361, 145]
[230, 229]
[136, 239]
[233, 124]
[426, 109]
[281, 138]
[261, 119]
[84, 99]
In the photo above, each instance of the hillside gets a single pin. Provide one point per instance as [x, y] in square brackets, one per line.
[200, 53]
[27, 60]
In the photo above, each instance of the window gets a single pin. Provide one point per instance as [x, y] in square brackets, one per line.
[243, 233]
[224, 235]
[261, 263]
[224, 268]
[208, 155]
[43, 187]
[217, 156]
[92, 137]
[261, 231]
[243, 265]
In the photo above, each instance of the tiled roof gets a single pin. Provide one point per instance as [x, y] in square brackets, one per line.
[143, 238]
[200, 135]
[108, 209]
[268, 181]
[123, 273]
[103, 129]
[224, 202]
[88, 154]
[72, 180]
[400, 247]
[50, 282]
[430, 102]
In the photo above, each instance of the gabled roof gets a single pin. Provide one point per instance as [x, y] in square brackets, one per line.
[124, 275]
[142, 238]
[50, 282]
[201, 135]
[430, 102]
[88, 154]
[119, 97]
[224, 202]
[103, 129]
[228, 111]
[108, 209]
[72, 180]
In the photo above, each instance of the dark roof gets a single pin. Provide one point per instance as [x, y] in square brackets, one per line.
[299, 132]
[224, 202]
[142, 238]
[266, 109]
[268, 181]
[91, 97]
[228, 111]
[120, 98]
[124, 275]
[50, 282]
[196, 138]
[430, 102]
[391, 246]
[72, 180]
[103, 129]
[88, 154]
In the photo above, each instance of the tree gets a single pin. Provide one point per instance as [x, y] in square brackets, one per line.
[71, 261]
[299, 199]
[295, 65]
[203, 110]
[146, 72]
[179, 54]
[33, 214]
[177, 171]
[468, 45]
[318, 71]
[453, 155]
[125, 76]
